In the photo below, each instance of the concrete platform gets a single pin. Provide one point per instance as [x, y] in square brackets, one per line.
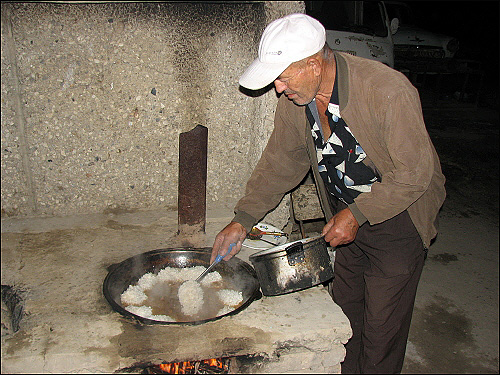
[68, 326]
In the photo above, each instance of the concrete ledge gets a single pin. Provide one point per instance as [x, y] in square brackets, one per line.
[68, 325]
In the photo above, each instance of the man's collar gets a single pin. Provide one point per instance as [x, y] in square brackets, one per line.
[333, 106]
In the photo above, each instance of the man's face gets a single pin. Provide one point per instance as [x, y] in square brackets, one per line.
[298, 83]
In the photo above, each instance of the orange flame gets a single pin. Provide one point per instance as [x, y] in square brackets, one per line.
[177, 367]
[186, 366]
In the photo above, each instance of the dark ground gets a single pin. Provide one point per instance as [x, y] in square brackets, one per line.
[455, 321]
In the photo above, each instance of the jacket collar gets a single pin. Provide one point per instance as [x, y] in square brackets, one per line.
[342, 80]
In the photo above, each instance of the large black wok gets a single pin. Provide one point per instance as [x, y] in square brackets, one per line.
[241, 275]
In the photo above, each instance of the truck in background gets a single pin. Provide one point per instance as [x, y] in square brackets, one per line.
[430, 59]
[361, 28]
[414, 42]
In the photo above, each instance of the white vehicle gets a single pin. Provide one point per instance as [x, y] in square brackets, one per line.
[412, 42]
[361, 28]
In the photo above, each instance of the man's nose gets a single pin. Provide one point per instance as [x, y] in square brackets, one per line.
[280, 86]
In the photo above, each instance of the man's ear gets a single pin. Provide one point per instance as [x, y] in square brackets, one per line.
[315, 65]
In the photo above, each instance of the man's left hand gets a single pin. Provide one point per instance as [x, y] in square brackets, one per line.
[341, 229]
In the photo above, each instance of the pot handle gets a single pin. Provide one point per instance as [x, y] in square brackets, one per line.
[295, 253]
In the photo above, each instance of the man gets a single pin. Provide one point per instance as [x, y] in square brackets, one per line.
[358, 124]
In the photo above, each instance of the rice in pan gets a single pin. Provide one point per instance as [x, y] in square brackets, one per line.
[230, 297]
[225, 310]
[190, 297]
[180, 274]
[169, 274]
[210, 278]
[163, 318]
[144, 311]
[191, 273]
[134, 295]
[190, 293]
[147, 281]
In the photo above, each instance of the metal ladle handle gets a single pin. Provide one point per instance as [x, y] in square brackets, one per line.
[218, 258]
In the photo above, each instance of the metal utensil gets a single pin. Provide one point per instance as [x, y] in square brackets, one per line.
[256, 232]
[218, 258]
[259, 238]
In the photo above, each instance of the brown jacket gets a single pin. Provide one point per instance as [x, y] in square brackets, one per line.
[382, 109]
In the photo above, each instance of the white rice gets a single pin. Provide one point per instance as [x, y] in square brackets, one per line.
[147, 281]
[134, 295]
[230, 297]
[225, 310]
[190, 297]
[144, 311]
[192, 273]
[162, 318]
[169, 274]
[190, 293]
[180, 274]
[211, 277]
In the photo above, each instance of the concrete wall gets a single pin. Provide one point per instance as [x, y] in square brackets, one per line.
[94, 96]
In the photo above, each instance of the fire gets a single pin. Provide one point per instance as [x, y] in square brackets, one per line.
[194, 367]
[214, 362]
[177, 367]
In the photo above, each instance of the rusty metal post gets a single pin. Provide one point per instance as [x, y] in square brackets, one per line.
[192, 180]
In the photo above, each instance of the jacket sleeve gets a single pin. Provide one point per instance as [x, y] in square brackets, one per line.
[283, 164]
[406, 155]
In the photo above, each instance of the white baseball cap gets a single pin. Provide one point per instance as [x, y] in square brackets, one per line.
[284, 41]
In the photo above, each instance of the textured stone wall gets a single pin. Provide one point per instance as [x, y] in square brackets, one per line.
[94, 97]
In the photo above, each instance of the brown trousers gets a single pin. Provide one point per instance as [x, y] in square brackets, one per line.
[375, 283]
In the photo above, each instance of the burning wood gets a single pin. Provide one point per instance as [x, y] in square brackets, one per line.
[207, 366]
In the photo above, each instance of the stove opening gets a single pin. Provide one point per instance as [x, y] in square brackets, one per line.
[206, 366]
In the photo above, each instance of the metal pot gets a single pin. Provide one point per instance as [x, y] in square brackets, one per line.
[241, 275]
[293, 266]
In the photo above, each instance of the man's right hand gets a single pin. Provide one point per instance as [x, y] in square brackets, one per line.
[233, 233]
